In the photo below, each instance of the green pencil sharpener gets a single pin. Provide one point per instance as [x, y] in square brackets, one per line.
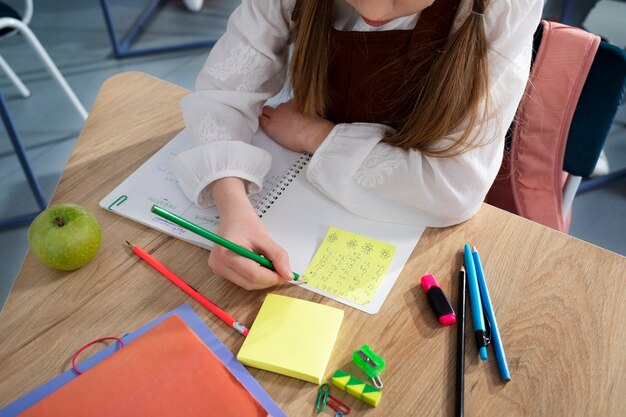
[372, 364]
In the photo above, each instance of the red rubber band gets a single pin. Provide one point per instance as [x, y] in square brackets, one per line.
[79, 351]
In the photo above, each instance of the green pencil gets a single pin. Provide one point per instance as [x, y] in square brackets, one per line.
[215, 238]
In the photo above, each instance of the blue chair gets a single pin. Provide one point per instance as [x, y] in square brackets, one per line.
[597, 106]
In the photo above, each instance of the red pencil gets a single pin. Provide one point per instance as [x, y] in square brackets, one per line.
[224, 316]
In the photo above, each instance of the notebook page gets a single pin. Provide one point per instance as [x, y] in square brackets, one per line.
[298, 219]
[155, 183]
[301, 218]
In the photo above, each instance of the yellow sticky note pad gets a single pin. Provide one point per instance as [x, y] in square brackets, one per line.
[292, 337]
[349, 265]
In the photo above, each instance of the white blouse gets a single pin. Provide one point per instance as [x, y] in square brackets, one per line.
[248, 65]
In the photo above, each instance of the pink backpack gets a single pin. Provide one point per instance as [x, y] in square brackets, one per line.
[531, 180]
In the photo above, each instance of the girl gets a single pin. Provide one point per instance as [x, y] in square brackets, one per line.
[404, 105]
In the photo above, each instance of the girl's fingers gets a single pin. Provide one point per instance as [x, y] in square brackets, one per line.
[279, 257]
[242, 271]
[264, 121]
[267, 111]
[259, 274]
[252, 276]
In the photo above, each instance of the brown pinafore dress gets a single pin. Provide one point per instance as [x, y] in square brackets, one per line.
[362, 84]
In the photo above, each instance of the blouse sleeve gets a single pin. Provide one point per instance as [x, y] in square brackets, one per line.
[245, 68]
[383, 182]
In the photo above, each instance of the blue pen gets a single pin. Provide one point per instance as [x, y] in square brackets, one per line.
[495, 333]
[476, 305]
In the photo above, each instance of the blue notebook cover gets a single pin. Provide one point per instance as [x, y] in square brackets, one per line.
[186, 313]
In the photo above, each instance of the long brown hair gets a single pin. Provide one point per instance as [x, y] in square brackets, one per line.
[450, 92]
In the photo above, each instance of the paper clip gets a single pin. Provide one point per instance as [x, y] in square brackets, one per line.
[372, 364]
[339, 414]
[338, 406]
[119, 201]
[322, 398]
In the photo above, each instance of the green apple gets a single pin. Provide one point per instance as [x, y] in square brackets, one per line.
[65, 236]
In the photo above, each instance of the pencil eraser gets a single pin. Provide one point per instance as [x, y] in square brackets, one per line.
[357, 388]
[438, 301]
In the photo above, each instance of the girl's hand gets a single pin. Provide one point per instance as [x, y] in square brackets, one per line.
[240, 224]
[294, 130]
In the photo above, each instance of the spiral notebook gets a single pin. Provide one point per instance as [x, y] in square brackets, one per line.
[295, 213]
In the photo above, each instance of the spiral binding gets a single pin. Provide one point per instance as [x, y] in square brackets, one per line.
[272, 195]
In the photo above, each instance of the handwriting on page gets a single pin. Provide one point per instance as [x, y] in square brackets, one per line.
[177, 202]
[349, 265]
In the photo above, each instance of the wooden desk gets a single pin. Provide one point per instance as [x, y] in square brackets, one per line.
[560, 302]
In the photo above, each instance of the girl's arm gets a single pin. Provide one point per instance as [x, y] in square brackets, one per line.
[245, 68]
[377, 180]
[240, 223]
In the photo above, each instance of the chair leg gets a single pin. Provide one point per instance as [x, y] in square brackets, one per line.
[597, 182]
[43, 55]
[569, 192]
[122, 48]
[28, 171]
[14, 78]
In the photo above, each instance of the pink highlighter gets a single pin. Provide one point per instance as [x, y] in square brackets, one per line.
[438, 301]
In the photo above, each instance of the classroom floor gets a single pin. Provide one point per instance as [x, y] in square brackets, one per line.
[74, 35]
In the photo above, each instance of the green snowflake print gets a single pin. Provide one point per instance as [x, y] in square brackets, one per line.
[367, 248]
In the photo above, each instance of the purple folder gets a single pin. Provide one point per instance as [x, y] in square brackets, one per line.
[186, 313]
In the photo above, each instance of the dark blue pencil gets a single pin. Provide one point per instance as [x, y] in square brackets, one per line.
[460, 346]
